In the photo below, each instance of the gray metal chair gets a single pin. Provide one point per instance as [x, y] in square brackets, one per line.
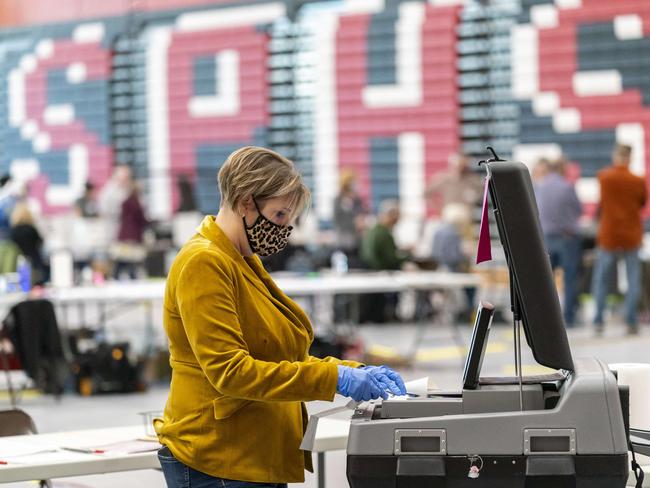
[18, 422]
[14, 386]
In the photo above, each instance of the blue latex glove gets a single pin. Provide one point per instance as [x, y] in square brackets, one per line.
[358, 384]
[388, 379]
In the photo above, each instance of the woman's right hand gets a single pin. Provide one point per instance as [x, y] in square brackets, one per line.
[358, 384]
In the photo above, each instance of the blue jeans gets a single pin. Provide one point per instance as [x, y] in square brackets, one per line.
[178, 475]
[605, 261]
[565, 253]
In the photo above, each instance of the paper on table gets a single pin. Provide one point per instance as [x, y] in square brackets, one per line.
[17, 449]
[45, 457]
[131, 446]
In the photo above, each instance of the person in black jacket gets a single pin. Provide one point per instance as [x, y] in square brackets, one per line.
[25, 235]
[32, 327]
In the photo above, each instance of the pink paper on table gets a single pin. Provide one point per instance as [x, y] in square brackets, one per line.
[484, 251]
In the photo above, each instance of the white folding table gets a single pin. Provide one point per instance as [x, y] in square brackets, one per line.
[49, 461]
[115, 297]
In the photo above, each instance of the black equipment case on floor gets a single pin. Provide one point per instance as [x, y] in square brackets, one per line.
[560, 430]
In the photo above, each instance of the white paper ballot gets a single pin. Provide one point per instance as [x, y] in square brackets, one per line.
[419, 387]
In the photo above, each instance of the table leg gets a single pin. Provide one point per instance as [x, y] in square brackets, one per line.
[82, 314]
[149, 327]
[321, 470]
[443, 316]
[102, 314]
[12, 393]
[355, 309]
[451, 319]
[64, 307]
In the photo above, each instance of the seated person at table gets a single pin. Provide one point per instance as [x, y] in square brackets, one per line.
[241, 371]
[448, 241]
[379, 253]
[448, 249]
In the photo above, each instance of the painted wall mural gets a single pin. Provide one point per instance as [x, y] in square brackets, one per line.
[387, 85]
[55, 120]
[386, 102]
[579, 71]
[207, 94]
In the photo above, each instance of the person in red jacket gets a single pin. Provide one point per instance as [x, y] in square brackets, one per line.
[622, 197]
[129, 252]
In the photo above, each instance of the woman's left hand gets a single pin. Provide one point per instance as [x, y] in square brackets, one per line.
[389, 379]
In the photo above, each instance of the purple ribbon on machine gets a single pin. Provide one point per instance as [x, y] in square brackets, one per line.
[484, 251]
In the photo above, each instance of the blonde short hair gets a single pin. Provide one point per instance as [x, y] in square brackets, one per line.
[263, 174]
[456, 214]
[21, 214]
[347, 178]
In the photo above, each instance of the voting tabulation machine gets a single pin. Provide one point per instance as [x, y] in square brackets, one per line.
[566, 429]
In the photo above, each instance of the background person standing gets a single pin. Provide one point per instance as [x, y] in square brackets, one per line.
[559, 212]
[348, 218]
[622, 197]
[30, 242]
[111, 197]
[129, 252]
[457, 184]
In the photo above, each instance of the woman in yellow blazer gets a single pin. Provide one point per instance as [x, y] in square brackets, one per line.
[239, 346]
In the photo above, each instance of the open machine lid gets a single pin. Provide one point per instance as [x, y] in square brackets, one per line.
[515, 210]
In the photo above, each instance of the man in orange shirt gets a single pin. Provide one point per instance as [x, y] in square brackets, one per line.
[622, 196]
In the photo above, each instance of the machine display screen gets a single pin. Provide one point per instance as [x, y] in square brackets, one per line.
[477, 347]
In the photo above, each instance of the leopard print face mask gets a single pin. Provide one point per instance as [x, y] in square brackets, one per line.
[266, 237]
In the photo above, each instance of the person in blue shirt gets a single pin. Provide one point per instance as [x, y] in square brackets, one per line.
[559, 212]
[7, 202]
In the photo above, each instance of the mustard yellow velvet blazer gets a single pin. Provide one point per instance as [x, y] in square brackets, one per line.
[240, 366]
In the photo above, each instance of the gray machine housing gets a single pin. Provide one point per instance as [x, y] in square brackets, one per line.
[481, 421]
[565, 430]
